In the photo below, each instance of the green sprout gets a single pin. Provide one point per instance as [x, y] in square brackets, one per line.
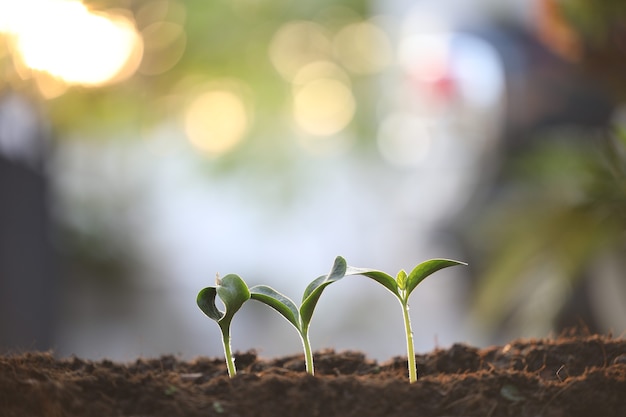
[233, 292]
[401, 287]
[300, 318]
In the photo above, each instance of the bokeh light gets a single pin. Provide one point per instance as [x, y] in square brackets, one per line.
[323, 106]
[164, 44]
[425, 56]
[320, 69]
[296, 44]
[160, 11]
[70, 42]
[216, 121]
[363, 48]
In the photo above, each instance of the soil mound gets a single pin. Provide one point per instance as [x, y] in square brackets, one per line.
[566, 376]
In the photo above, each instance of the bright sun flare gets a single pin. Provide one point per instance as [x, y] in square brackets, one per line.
[66, 40]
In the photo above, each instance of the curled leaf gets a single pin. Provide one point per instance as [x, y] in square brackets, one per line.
[206, 302]
[233, 292]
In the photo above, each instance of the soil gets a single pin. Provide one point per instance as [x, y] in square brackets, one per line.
[565, 376]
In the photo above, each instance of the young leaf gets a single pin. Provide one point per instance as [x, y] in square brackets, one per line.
[337, 272]
[300, 318]
[382, 278]
[278, 302]
[314, 290]
[206, 302]
[423, 270]
[402, 287]
[233, 292]
[401, 280]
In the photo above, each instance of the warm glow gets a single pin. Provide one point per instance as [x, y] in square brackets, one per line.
[323, 106]
[216, 121]
[297, 44]
[320, 69]
[363, 48]
[164, 44]
[67, 41]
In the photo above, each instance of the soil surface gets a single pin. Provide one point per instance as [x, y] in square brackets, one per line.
[567, 376]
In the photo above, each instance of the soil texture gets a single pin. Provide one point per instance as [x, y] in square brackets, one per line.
[565, 376]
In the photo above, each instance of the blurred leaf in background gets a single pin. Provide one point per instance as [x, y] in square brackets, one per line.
[563, 211]
[555, 228]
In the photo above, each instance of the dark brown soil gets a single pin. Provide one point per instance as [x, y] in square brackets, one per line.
[568, 376]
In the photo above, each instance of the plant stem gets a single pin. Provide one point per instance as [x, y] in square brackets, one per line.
[230, 361]
[308, 353]
[410, 350]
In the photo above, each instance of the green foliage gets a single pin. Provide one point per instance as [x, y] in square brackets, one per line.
[565, 211]
[404, 284]
[301, 317]
[402, 287]
[233, 292]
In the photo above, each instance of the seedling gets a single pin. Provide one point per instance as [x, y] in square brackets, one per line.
[401, 287]
[233, 292]
[300, 318]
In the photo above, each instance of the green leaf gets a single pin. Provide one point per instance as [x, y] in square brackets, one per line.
[314, 290]
[233, 292]
[336, 272]
[206, 302]
[379, 276]
[426, 268]
[312, 286]
[401, 279]
[279, 302]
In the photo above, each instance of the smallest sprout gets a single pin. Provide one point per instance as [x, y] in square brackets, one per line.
[233, 292]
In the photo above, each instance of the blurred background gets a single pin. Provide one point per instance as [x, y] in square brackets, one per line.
[146, 145]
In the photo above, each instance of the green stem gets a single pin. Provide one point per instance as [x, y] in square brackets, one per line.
[230, 361]
[410, 350]
[308, 353]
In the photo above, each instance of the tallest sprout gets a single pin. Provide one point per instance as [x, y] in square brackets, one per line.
[401, 287]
